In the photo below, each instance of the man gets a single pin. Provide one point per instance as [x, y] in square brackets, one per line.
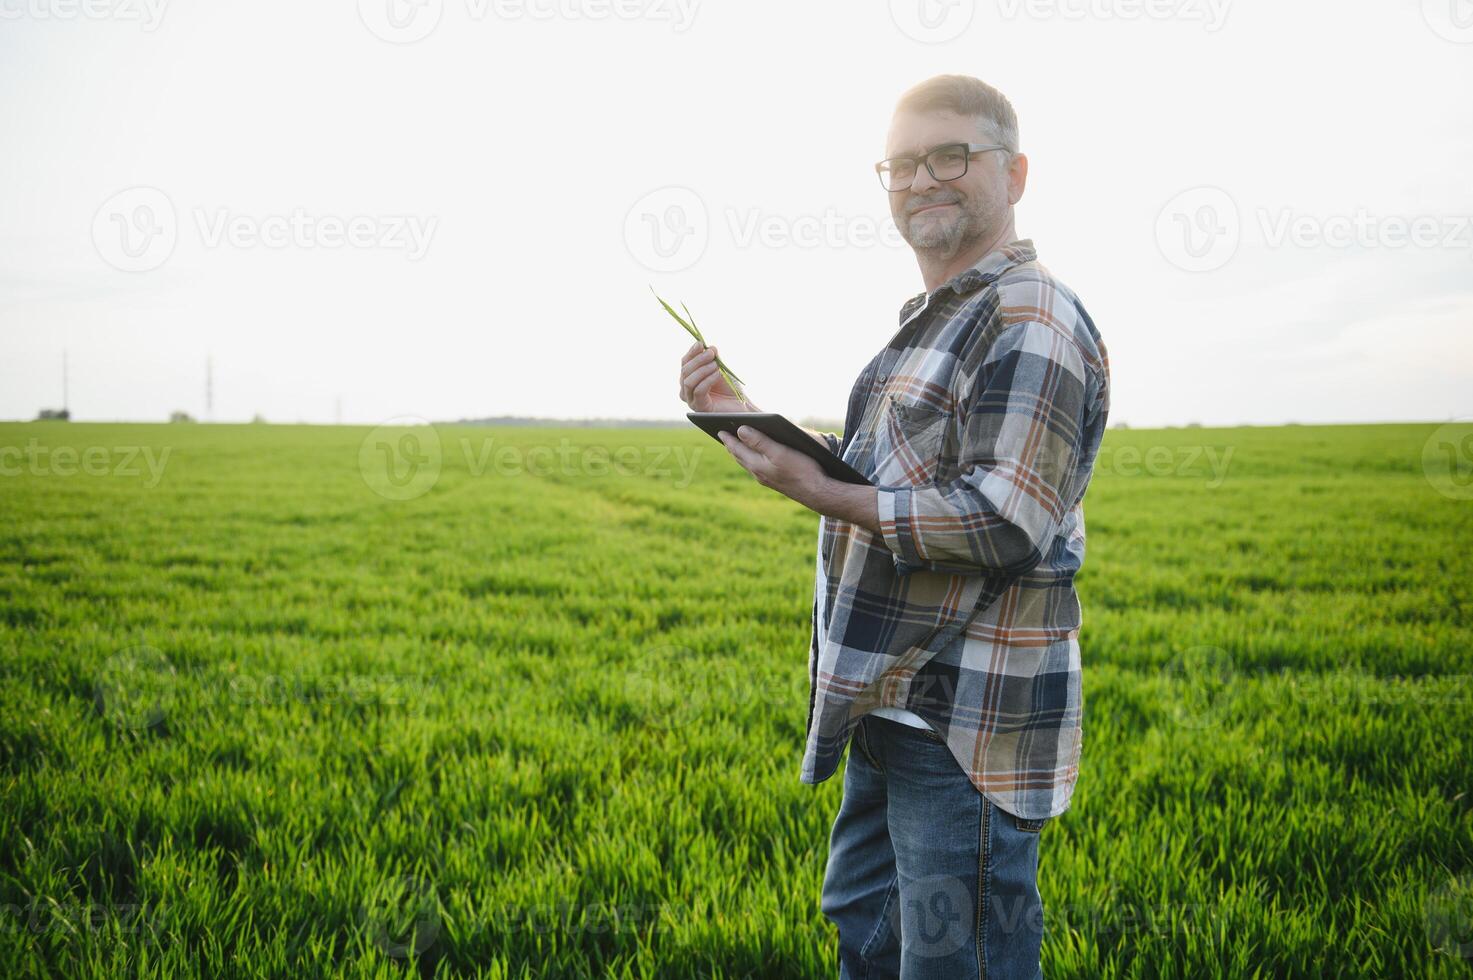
[945, 620]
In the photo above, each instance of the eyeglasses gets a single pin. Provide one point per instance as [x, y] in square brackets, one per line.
[945, 162]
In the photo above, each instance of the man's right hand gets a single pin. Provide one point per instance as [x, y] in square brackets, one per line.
[703, 388]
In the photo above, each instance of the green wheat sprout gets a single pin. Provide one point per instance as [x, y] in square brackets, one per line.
[690, 328]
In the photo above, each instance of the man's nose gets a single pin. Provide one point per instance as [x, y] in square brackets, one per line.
[923, 181]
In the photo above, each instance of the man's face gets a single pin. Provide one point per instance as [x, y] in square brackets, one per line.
[947, 216]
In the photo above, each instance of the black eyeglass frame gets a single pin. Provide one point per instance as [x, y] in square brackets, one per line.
[972, 149]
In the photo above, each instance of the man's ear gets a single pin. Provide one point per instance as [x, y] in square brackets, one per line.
[1017, 177]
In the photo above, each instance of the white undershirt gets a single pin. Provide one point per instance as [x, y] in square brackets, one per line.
[904, 717]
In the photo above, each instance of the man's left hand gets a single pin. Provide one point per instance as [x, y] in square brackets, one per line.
[800, 478]
[780, 467]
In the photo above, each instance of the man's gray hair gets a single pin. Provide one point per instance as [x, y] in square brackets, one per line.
[966, 96]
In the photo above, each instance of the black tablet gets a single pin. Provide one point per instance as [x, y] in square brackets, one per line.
[785, 432]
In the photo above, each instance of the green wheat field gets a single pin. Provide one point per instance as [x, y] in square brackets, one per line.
[301, 701]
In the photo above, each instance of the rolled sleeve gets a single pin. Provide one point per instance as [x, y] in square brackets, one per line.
[1022, 436]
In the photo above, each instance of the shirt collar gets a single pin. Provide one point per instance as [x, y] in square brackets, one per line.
[988, 269]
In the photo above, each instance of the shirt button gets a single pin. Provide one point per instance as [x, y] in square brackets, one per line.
[882, 378]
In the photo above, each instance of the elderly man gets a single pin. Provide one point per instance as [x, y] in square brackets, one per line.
[945, 620]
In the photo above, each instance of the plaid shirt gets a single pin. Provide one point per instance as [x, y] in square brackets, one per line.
[978, 423]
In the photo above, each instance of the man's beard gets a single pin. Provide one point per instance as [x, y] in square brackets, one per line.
[944, 236]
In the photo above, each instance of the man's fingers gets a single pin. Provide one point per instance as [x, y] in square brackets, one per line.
[760, 441]
[706, 380]
[751, 436]
[691, 378]
[744, 454]
[695, 352]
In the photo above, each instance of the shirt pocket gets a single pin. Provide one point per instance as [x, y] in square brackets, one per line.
[908, 440]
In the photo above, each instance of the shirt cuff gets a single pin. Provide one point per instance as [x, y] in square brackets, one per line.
[894, 507]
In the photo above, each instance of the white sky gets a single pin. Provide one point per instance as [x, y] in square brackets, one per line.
[529, 141]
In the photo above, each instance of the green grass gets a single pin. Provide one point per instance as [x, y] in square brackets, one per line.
[260, 719]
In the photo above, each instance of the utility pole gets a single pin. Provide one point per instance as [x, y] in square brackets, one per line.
[209, 389]
[65, 386]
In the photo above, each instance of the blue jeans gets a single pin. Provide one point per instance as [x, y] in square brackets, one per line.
[927, 877]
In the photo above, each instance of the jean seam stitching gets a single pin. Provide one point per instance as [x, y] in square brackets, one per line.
[864, 745]
[984, 859]
[864, 951]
